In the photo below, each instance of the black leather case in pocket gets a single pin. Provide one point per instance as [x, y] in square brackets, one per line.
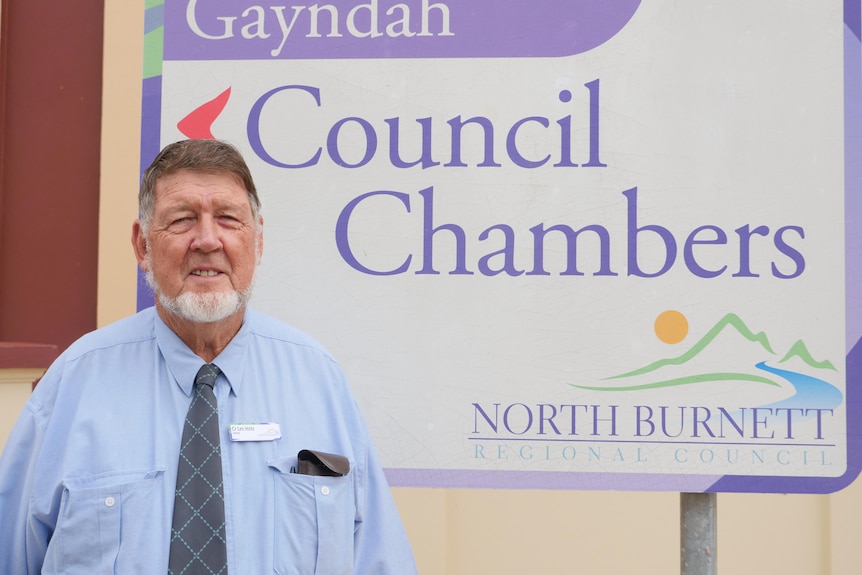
[323, 464]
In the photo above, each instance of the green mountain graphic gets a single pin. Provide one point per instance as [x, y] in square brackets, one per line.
[730, 320]
[800, 350]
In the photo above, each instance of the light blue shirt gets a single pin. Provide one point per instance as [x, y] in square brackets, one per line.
[88, 475]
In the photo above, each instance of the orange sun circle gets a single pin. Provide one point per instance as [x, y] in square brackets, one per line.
[671, 326]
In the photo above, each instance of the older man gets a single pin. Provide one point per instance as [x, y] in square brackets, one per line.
[197, 436]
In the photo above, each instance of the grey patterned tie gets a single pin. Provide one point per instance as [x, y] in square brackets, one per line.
[198, 532]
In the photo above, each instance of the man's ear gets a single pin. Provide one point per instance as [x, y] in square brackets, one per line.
[259, 241]
[139, 244]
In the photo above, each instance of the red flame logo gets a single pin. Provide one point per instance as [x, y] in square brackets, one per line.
[198, 124]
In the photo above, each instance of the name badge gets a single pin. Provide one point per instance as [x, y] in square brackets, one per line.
[254, 431]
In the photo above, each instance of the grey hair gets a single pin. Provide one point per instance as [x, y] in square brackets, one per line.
[208, 156]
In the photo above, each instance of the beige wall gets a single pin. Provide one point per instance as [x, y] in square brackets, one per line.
[460, 532]
[15, 386]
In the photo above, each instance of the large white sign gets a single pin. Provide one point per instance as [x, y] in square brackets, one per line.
[577, 245]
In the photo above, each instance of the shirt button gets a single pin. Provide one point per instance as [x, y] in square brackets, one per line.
[109, 501]
[324, 490]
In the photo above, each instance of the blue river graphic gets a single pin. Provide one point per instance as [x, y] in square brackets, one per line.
[811, 392]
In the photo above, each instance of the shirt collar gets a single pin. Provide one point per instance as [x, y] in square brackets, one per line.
[183, 364]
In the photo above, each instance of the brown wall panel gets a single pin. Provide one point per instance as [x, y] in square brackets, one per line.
[49, 168]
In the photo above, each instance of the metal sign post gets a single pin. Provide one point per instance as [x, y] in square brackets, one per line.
[698, 534]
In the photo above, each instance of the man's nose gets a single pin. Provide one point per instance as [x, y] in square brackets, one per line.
[206, 237]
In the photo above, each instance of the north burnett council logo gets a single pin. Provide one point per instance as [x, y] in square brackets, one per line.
[730, 387]
[809, 390]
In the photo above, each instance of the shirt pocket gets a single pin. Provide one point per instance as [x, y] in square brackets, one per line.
[106, 521]
[315, 518]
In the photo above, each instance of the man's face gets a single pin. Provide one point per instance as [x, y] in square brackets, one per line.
[202, 246]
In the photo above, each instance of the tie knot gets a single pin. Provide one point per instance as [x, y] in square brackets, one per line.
[207, 375]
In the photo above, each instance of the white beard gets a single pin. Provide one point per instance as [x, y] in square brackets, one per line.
[201, 307]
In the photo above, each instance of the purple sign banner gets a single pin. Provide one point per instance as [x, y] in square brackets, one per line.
[231, 30]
